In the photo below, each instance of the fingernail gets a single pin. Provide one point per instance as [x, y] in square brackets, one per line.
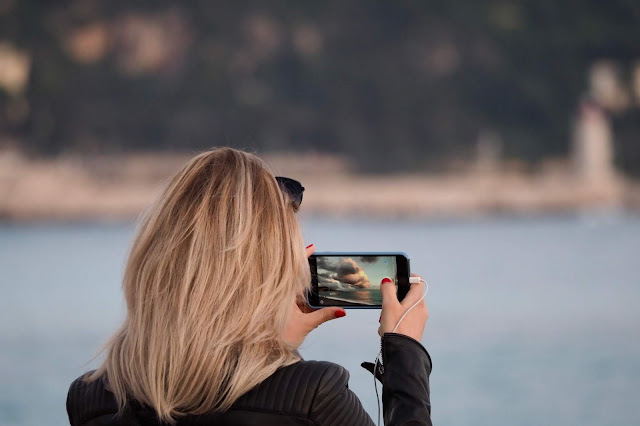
[340, 314]
[386, 280]
[380, 319]
[309, 245]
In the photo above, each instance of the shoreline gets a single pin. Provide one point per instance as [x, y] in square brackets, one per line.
[595, 216]
[120, 188]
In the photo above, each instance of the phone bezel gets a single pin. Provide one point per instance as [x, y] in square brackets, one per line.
[402, 268]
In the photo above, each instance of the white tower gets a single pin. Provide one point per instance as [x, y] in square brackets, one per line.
[593, 145]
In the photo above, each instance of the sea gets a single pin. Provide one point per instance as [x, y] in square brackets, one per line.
[533, 320]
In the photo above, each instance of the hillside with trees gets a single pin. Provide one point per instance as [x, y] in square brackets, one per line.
[386, 84]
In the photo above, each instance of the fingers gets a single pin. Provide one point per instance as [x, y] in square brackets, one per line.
[323, 315]
[388, 290]
[408, 317]
[310, 249]
[414, 294]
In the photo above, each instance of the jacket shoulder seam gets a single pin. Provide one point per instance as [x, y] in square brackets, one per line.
[329, 367]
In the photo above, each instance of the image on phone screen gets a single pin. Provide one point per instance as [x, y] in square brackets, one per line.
[353, 280]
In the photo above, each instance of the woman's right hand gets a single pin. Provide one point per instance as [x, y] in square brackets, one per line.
[392, 310]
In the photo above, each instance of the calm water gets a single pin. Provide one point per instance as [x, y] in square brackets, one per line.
[533, 322]
[368, 297]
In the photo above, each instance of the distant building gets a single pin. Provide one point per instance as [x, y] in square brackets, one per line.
[593, 154]
[488, 152]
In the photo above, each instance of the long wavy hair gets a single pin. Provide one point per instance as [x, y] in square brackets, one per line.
[212, 275]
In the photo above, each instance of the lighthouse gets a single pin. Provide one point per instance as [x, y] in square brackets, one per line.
[593, 155]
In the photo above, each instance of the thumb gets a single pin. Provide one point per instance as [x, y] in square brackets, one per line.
[323, 315]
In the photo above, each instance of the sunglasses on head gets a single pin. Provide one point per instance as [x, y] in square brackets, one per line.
[293, 189]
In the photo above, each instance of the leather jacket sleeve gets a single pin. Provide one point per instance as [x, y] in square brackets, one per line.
[405, 391]
[405, 381]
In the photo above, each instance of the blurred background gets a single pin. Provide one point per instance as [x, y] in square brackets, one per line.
[496, 142]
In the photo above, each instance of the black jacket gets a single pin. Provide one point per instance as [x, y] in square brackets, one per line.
[304, 393]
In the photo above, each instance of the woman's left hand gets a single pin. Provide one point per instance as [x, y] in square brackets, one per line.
[303, 319]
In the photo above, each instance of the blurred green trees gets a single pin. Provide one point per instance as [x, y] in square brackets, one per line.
[389, 84]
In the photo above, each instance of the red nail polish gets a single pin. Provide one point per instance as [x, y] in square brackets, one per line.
[340, 314]
[309, 245]
[380, 319]
[386, 280]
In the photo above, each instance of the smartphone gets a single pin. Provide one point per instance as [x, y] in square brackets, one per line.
[352, 280]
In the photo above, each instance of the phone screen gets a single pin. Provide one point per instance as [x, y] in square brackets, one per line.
[352, 280]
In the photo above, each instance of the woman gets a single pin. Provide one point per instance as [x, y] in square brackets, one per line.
[214, 287]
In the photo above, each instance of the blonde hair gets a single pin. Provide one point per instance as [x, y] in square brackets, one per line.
[211, 278]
